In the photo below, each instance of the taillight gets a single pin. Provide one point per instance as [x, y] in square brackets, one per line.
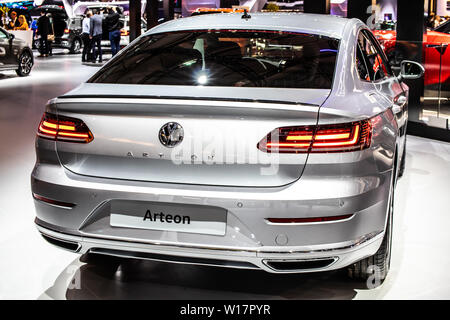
[124, 32]
[66, 30]
[323, 138]
[63, 128]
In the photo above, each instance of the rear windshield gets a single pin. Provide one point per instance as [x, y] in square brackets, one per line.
[232, 58]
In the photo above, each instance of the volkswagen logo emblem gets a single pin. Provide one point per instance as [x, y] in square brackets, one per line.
[171, 134]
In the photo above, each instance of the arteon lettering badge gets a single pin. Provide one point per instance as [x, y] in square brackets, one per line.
[168, 218]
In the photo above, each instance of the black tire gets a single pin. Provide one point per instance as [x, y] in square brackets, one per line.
[401, 169]
[376, 267]
[25, 64]
[76, 46]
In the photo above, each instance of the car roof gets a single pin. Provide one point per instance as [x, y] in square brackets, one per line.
[326, 25]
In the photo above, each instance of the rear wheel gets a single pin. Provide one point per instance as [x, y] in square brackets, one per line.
[375, 268]
[25, 64]
[76, 46]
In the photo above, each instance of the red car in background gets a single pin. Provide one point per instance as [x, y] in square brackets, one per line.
[435, 42]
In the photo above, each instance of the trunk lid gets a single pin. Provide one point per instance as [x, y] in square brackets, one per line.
[220, 134]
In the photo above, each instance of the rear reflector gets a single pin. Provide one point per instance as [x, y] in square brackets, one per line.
[64, 129]
[323, 138]
[66, 205]
[308, 220]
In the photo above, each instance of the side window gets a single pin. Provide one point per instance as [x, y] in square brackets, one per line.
[376, 67]
[361, 65]
[3, 35]
[386, 68]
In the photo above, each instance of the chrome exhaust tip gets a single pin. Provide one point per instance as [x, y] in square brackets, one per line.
[64, 244]
[299, 265]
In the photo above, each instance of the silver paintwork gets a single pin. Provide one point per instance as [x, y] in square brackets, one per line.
[304, 186]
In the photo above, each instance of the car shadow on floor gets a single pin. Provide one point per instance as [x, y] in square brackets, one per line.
[137, 279]
[9, 75]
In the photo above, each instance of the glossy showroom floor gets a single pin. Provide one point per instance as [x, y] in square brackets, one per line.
[32, 269]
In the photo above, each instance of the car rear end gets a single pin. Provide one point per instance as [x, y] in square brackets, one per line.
[206, 147]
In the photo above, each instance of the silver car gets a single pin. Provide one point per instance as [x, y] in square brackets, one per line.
[271, 141]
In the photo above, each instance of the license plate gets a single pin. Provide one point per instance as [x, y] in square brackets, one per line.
[168, 217]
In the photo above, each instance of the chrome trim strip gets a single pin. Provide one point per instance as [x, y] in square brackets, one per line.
[288, 251]
[368, 238]
[209, 103]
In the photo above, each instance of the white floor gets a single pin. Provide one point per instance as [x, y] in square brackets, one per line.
[30, 268]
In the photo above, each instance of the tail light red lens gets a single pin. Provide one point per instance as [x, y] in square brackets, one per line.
[308, 220]
[66, 205]
[64, 129]
[323, 138]
[66, 31]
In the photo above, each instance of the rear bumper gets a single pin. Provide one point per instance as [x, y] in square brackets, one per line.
[274, 260]
[250, 241]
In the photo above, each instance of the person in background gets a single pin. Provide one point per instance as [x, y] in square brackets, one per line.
[43, 30]
[34, 28]
[437, 21]
[113, 25]
[95, 34]
[51, 32]
[23, 24]
[431, 18]
[13, 23]
[86, 54]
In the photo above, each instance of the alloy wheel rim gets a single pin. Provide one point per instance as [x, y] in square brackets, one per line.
[25, 64]
[76, 46]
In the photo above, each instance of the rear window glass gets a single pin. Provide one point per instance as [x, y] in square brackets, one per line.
[235, 58]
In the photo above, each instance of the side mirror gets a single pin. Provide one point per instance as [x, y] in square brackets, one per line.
[11, 37]
[410, 70]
